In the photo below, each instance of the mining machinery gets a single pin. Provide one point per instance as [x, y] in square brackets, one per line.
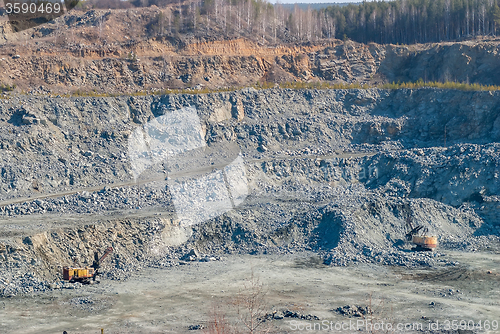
[418, 235]
[84, 275]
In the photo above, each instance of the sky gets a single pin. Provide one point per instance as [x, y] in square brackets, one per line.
[315, 1]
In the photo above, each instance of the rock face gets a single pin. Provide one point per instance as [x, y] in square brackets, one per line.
[245, 63]
[340, 173]
[87, 58]
[84, 140]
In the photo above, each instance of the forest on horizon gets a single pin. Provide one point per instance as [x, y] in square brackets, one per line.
[384, 22]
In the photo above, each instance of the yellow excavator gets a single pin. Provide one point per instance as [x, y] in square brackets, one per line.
[85, 274]
[418, 235]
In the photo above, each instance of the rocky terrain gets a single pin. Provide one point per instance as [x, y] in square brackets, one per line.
[335, 172]
[117, 51]
[314, 185]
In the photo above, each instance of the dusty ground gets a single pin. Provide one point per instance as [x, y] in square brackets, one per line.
[172, 299]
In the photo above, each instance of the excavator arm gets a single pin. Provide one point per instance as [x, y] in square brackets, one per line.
[106, 253]
[413, 230]
[97, 261]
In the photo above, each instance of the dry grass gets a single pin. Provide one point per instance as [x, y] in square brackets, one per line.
[399, 85]
[300, 85]
[269, 85]
[378, 313]
[218, 323]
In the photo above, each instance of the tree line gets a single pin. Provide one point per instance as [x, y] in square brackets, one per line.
[398, 21]
[416, 21]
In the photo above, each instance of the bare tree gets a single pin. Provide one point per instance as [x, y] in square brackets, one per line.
[483, 14]
[252, 308]
[309, 23]
[224, 8]
[239, 11]
[264, 28]
[100, 24]
[275, 9]
[180, 15]
[467, 16]
[249, 11]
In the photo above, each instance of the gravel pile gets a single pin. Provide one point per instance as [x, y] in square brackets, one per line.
[281, 314]
[353, 310]
[89, 303]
